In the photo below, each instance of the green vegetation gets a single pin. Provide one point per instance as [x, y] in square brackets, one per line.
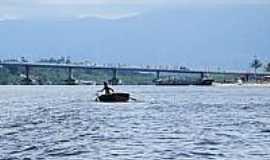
[59, 76]
[7, 77]
[256, 64]
[56, 76]
[267, 68]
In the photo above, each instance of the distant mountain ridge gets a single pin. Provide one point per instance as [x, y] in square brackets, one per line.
[226, 37]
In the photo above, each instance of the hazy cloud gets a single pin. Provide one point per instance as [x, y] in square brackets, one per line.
[109, 16]
[128, 2]
[106, 9]
[7, 18]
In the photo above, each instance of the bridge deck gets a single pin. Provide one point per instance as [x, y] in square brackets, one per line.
[47, 65]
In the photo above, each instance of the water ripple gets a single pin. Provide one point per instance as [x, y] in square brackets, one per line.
[60, 122]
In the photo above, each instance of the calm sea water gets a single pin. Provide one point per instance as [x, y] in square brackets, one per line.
[184, 123]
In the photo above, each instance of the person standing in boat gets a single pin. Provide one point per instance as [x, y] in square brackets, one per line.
[107, 89]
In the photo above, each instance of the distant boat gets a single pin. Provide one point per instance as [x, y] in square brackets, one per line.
[203, 82]
[82, 82]
[115, 97]
[239, 82]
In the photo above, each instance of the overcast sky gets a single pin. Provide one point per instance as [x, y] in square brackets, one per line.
[110, 9]
[189, 32]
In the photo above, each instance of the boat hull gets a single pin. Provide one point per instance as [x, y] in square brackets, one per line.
[115, 97]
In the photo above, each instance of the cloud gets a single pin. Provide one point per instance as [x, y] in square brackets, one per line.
[8, 18]
[101, 2]
[137, 2]
[109, 16]
[105, 9]
[67, 9]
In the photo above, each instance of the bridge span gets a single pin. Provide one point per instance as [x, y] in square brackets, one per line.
[70, 67]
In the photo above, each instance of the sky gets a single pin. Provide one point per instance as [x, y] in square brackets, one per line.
[194, 33]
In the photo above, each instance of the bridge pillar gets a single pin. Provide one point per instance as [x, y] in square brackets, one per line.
[27, 80]
[158, 75]
[27, 72]
[114, 74]
[114, 80]
[70, 80]
[202, 75]
[247, 77]
[69, 73]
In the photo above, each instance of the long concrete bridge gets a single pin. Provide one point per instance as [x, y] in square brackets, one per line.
[70, 67]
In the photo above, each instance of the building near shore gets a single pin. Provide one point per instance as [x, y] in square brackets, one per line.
[266, 79]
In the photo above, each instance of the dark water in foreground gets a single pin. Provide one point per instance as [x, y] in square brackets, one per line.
[63, 122]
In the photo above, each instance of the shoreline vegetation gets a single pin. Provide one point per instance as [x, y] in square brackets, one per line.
[56, 76]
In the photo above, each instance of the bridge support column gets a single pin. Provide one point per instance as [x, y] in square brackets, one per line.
[27, 72]
[114, 80]
[202, 75]
[247, 77]
[158, 75]
[70, 80]
[69, 73]
[27, 80]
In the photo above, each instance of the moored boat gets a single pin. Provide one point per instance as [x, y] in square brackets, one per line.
[203, 82]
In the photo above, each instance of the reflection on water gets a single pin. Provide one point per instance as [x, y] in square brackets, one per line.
[63, 122]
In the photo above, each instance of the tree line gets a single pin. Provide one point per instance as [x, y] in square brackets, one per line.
[257, 64]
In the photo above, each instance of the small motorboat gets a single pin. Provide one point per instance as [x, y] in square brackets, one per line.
[114, 97]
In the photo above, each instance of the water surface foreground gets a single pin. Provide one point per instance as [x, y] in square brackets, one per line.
[183, 123]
